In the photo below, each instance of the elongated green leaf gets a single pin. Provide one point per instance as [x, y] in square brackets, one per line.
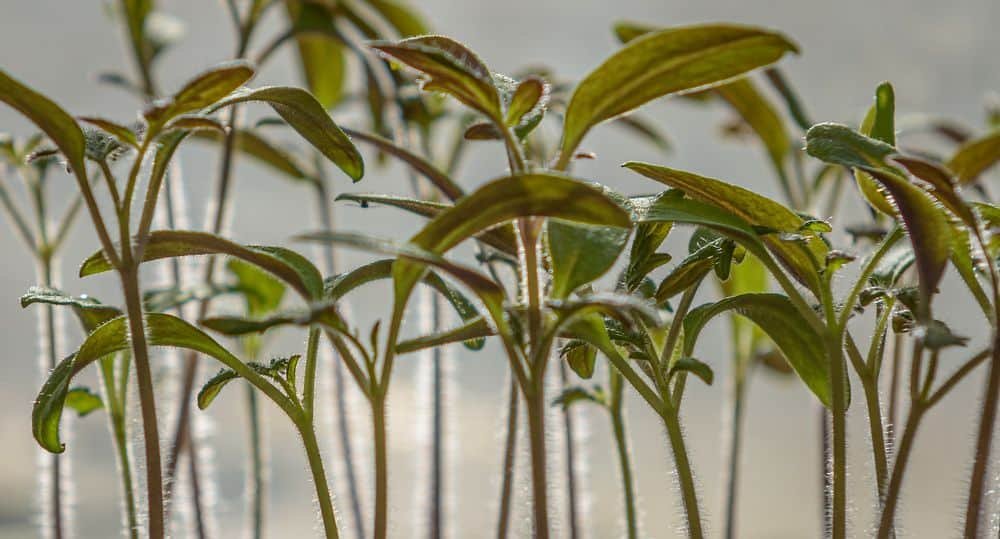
[802, 347]
[124, 134]
[214, 386]
[59, 126]
[801, 260]
[841, 145]
[207, 88]
[666, 62]
[308, 117]
[530, 93]
[256, 146]
[284, 264]
[475, 330]
[942, 185]
[622, 307]
[111, 337]
[695, 367]
[88, 310]
[401, 16]
[450, 67]
[581, 254]
[262, 292]
[757, 111]
[975, 157]
[324, 314]
[878, 124]
[501, 237]
[321, 56]
[690, 271]
[420, 165]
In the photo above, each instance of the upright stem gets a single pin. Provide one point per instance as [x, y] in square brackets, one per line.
[984, 439]
[128, 491]
[308, 435]
[624, 461]
[147, 403]
[897, 360]
[339, 388]
[877, 432]
[381, 467]
[507, 472]
[539, 484]
[256, 487]
[885, 527]
[437, 430]
[735, 450]
[684, 476]
[571, 487]
[49, 336]
[839, 450]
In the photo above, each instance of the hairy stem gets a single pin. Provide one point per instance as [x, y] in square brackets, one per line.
[984, 438]
[147, 402]
[890, 503]
[685, 477]
[507, 472]
[621, 445]
[572, 500]
[733, 453]
[55, 501]
[255, 489]
[535, 398]
[114, 393]
[381, 467]
[308, 434]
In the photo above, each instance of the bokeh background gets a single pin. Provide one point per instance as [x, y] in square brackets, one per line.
[941, 57]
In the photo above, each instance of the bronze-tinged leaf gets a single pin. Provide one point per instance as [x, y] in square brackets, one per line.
[662, 63]
[975, 157]
[530, 93]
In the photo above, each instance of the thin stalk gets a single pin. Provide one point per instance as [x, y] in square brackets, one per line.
[55, 463]
[437, 430]
[507, 472]
[325, 217]
[984, 439]
[838, 413]
[621, 445]
[115, 402]
[535, 398]
[917, 410]
[308, 435]
[381, 466]
[256, 487]
[897, 360]
[683, 466]
[147, 403]
[735, 450]
[571, 486]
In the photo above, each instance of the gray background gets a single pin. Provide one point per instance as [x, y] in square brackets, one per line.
[941, 56]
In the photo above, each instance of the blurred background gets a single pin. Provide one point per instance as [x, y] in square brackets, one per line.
[941, 57]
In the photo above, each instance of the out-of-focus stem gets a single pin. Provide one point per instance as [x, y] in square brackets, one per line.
[510, 450]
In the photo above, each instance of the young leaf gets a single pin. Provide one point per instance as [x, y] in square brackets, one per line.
[580, 254]
[321, 56]
[83, 401]
[879, 124]
[205, 90]
[307, 117]
[474, 331]
[262, 292]
[88, 310]
[214, 386]
[690, 271]
[420, 165]
[751, 208]
[695, 367]
[662, 63]
[777, 317]
[530, 93]
[254, 145]
[580, 357]
[975, 157]
[284, 264]
[450, 67]
[403, 18]
[124, 134]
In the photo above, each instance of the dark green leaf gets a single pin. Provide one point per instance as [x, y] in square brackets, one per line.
[531, 92]
[324, 314]
[581, 254]
[695, 367]
[420, 165]
[475, 330]
[581, 357]
[777, 317]
[307, 117]
[214, 386]
[88, 310]
[284, 264]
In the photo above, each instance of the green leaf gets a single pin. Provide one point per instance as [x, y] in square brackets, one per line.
[124, 134]
[321, 56]
[572, 395]
[209, 87]
[690, 271]
[506, 199]
[324, 314]
[756, 110]
[475, 330]
[645, 130]
[627, 309]
[501, 237]
[975, 156]
[756, 210]
[420, 165]
[580, 254]
[892, 265]
[213, 387]
[841, 145]
[695, 367]
[884, 124]
[89, 311]
[662, 63]
[942, 186]
[802, 347]
[262, 292]
[83, 401]
[288, 266]
[59, 126]
[403, 18]
[581, 357]
[449, 67]
[307, 117]
[530, 93]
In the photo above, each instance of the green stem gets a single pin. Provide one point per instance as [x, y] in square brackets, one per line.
[147, 403]
[838, 418]
[507, 473]
[308, 435]
[917, 410]
[535, 398]
[256, 487]
[381, 467]
[621, 445]
[49, 336]
[309, 381]
[734, 452]
[116, 415]
[685, 478]
[571, 486]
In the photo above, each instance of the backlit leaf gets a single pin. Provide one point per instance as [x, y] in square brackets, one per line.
[975, 157]
[88, 310]
[83, 401]
[580, 254]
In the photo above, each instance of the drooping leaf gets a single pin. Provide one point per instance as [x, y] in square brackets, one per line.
[124, 134]
[324, 314]
[580, 254]
[665, 62]
[645, 130]
[841, 145]
[213, 387]
[754, 209]
[203, 90]
[475, 330]
[695, 367]
[975, 157]
[401, 16]
[307, 117]
[321, 55]
[942, 186]
[88, 310]
[262, 292]
[449, 67]
[529, 94]
[755, 109]
[254, 145]
[420, 165]
[284, 264]
[777, 317]
[573, 395]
